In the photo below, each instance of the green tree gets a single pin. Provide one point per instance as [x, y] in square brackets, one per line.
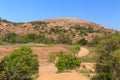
[108, 62]
[21, 64]
[31, 37]
[64, 39]
[82, 41]
[40, 38]
[10, 37]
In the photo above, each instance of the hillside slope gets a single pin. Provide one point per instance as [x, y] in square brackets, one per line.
[71, 27]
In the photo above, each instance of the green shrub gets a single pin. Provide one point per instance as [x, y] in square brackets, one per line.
[13, 38]
[48, 41]
[10, 37]
[52, 57]
[82, 41]
[31, 37]
[63, 39]
[94, 41]
[108, 62]
[64, 62]
[67, 62]
[74, 50]
[21, 64]
[40, 38]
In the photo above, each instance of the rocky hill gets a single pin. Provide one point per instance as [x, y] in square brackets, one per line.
[52, 28]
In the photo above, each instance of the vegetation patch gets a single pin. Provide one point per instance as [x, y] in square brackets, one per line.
[65, 61]
[21, 64]
[108, 62]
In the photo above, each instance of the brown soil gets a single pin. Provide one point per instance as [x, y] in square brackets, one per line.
[62, 76]
[47, 71]
[83, 52]
[5, 51]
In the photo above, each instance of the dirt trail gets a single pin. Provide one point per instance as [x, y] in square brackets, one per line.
[83, 52]
[48, 70]
[62, 76]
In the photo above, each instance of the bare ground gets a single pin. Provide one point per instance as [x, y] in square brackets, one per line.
[47, 71]
[62, 76]
[83, 52]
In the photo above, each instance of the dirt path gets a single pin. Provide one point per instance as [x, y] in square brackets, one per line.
[63, 76]
[48, 70]
[83, 52]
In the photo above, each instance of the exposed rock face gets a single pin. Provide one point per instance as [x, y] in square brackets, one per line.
[70, 22]
[72, 27]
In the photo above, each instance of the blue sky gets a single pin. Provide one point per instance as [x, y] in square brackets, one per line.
[104, 12]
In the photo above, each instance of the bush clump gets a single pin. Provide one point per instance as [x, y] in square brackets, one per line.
[13, 38]
[67, 62]
[64, 39]
[108, 61]
[82, 41]
[21, 64]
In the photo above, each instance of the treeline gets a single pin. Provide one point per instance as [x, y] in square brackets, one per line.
[13, 38]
